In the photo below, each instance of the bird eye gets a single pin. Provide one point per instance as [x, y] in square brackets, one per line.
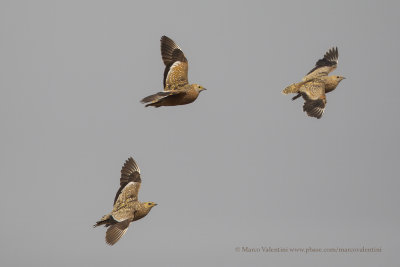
[337, 77]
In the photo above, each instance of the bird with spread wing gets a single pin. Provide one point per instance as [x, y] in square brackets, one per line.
[177, 90]
[127, 208]
[316, 84]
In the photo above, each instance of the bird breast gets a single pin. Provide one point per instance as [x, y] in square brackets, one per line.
[330, 84]
[141, 212]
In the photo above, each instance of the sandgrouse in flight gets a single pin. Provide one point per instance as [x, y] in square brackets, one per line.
[316, 84]
[177, 90]
[127, 207]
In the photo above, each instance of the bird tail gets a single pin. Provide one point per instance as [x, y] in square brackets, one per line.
[293, 88]
[106, 219]
[296, 96]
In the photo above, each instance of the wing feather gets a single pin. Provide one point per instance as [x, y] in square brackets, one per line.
[176, 64]
[315, 100]
[130, 173]
[325, 65]
[116, 231]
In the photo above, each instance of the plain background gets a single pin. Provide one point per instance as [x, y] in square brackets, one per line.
[242, 166]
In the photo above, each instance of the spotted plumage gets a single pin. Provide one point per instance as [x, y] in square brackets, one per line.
[177, 90]
[127, 208]
[316, 84]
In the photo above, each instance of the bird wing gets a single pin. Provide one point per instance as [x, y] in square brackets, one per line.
[157, 96]
[129, 182]
[325, 65]
[176, 64]
[315, 100]
[116, 231]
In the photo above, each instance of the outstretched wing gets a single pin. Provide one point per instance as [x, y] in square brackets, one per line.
[176, 64]
[325, 65]
[116, 231]
[157, 96]
[315, 100]
[129, 182]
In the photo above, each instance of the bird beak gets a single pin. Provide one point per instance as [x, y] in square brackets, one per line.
[202, 89]
[155, 204]
[343, 78]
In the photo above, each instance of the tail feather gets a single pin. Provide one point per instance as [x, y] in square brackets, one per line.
[296, 96]
[106, 219]
[293, 88]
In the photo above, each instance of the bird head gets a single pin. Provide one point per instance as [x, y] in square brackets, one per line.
[198, 87]
[149, 205]
[339, 78]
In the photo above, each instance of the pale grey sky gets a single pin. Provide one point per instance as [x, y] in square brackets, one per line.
[242, 166]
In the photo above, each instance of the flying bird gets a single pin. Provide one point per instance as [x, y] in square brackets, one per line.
[127, 208]
[177, 90]
[316, 84]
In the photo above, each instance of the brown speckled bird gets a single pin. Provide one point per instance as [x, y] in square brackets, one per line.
[316, 84]
[127, 207]
[177, 90]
